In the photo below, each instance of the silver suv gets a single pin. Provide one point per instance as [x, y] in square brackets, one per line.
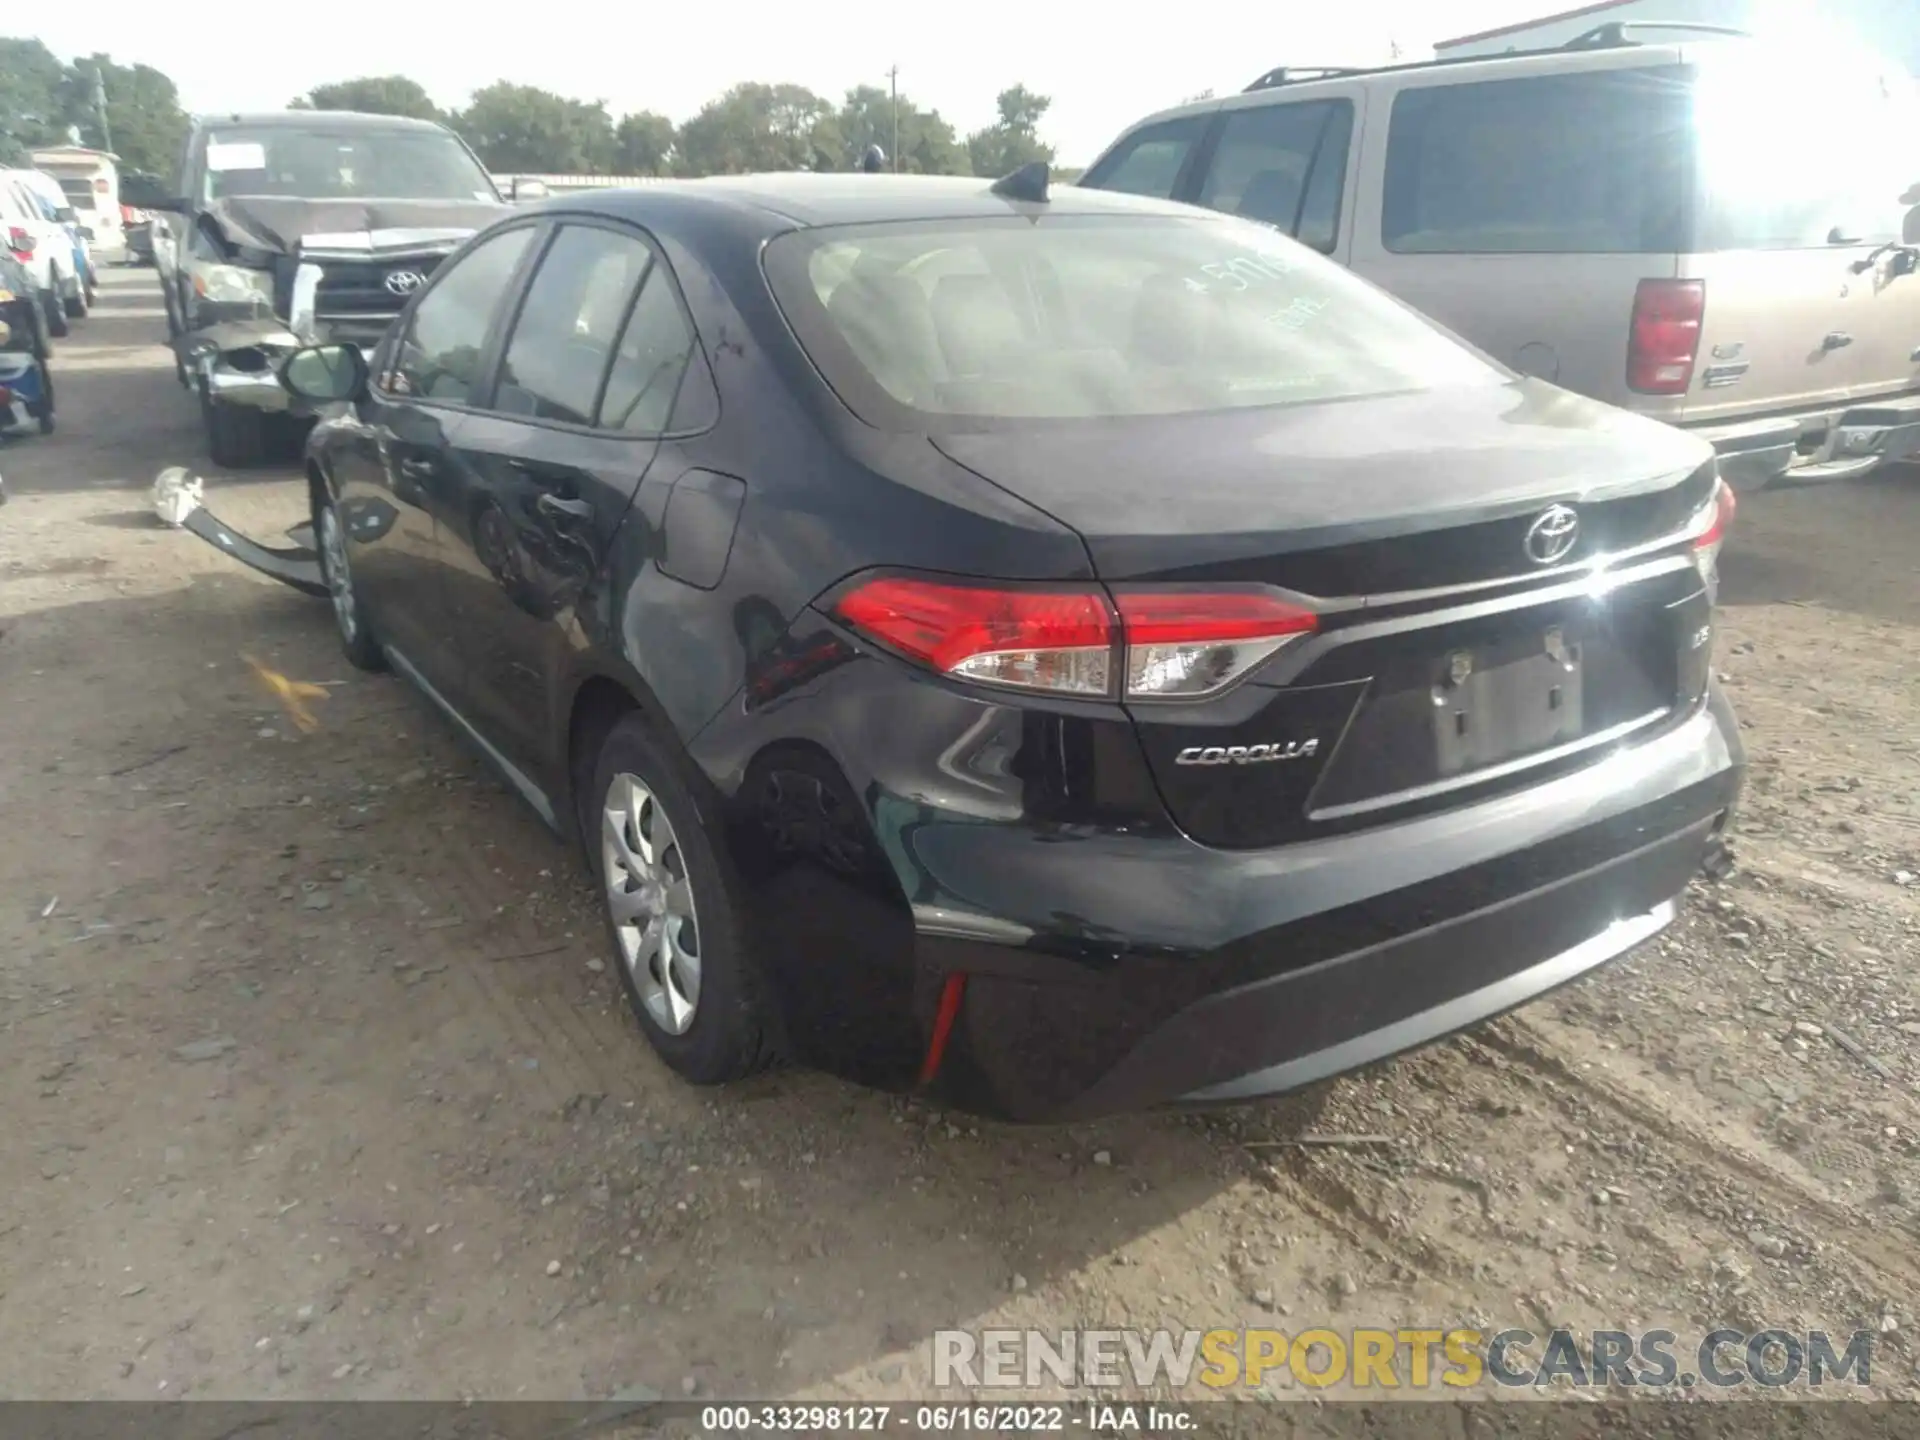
[1715, 233]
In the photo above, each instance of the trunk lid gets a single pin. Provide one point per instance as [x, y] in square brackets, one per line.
[1352, 498]
[1451, 660]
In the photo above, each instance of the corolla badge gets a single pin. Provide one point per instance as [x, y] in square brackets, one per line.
[1246, 754]
[1552, 534]
[405, 282]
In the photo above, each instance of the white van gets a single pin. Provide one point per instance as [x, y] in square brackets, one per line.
[91, 180]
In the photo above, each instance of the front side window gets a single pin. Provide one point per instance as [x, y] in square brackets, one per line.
[345, 164]
[568, 325]
[1149, 161]
[447, 335]
[1085, 316]
[1285, 166]
[1592, 162]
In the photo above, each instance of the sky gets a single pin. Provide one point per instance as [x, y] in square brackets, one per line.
[1104, 66]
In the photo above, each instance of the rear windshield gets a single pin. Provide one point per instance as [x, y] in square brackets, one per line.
[1080, 317]
[1588, 163]
[343, 164]
[79, 193]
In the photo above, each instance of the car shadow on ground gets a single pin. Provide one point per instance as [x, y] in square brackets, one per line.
[1779, 552]
[423, 1099]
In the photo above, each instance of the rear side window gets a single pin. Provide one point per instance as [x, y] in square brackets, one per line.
[1589, 163]
[1149, 161]
[567, 326]
[1801, 156]
[648, 362]
[1285, 166]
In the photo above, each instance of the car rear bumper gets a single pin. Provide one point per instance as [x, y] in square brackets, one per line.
[1831, 443]
[1321, 957]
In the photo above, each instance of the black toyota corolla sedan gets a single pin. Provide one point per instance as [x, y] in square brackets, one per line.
[1057, 651]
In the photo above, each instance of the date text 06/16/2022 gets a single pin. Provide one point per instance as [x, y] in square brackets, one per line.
[1097, 1417]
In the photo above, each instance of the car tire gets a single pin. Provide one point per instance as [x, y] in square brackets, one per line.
[78, 304]
[180, 371]
[45, 417]
[683, 952]
[56, 313]
[236, 434]
[357, 639]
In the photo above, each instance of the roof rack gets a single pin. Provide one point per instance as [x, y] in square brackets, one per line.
[1601, 37]
[1293, 74]
[1614, 32]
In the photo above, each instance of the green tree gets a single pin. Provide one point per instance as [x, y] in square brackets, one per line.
[756, 127]
[643, 144]
[143, 112]
[521, 127]
[1014, 139]
[32, 109]
[373, 95]
[926, 142]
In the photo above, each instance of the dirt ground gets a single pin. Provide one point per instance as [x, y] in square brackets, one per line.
[317, 1085]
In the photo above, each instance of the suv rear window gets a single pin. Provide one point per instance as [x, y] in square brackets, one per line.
[969, 323]
[1590, 163]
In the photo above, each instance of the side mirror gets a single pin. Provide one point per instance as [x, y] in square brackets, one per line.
[525, 190]
[323, 373]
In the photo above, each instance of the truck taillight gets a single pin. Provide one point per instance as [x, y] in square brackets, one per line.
[1664, 336]
[1158, 644]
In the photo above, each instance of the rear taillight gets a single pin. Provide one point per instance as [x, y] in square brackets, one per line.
[1710, 532]
[1187, 643]
[1035, 639]
[1664, 336]
[1158, 644]
[100, 186]
[20, 241]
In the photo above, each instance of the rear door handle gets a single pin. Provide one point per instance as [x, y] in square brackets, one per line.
[417, 469]
[1838, 340]
[559, 506]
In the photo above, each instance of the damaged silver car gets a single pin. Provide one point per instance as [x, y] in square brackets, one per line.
[299, 228]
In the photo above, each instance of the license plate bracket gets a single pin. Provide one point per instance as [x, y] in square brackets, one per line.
[1486, 714]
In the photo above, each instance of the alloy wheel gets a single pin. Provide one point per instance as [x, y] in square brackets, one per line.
[651, 903]
[333, 549]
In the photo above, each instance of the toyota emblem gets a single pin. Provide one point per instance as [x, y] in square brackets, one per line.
[1551, 535]
[405, 282]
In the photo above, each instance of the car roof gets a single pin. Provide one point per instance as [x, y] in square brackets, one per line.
[307, 119]
[809, 200]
